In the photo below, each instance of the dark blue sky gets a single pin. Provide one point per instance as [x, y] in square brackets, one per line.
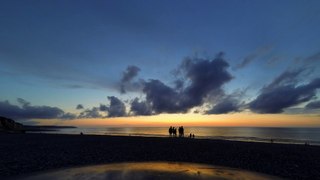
[65, 53]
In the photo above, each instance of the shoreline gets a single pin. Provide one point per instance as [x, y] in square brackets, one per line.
[223, 138]
[34, 152]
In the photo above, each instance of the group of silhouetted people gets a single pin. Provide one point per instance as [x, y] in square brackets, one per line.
[173, 131]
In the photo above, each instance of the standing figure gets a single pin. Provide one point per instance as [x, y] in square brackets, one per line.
[174, 130]
[182, 131]
[170, 131]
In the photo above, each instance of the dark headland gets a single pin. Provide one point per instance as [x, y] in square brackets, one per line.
[8, 125]
[27, 153]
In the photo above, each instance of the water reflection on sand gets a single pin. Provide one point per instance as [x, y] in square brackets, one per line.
[149, 170]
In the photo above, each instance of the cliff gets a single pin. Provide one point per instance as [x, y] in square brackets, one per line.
[10, 126]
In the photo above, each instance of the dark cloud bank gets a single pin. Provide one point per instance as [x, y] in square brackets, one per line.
[201, 77]
[26, 111]
[197, 80]
[284, 92]
[198, 84]
[116, 108]
[228, 103]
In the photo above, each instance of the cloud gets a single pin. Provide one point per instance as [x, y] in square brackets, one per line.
[228, 103]
[286, 78]
[23, 102]
[284, 92]
[179, 84]
[251, 57]
[79, 106]
[116, 107]
[90, 113]
[27, 111]
[197, 79]
[224, 107]
[161, 97]
[140, 108]
[103, 107]
[274, 60]
[247, 60]
[130, 73]
[202, 77]
[68, 116]
[313, 105]
[132, 86]
[313, 58]
[312, 61]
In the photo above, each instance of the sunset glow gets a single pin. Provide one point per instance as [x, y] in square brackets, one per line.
[165, 120]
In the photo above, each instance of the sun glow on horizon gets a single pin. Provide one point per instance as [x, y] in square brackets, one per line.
[164, 120]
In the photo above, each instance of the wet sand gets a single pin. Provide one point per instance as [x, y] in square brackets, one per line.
[150, 170]
[28, 153]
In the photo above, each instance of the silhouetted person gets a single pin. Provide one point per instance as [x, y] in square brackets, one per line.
[193, 136]
[190, 135]
[81, 133]
[174, 131]
[170, 131]
[181, 131]
[271, 140]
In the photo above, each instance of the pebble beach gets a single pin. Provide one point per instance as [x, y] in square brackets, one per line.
[31, 153]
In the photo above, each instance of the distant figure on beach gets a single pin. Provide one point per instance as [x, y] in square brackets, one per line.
[190, 135]
[81, 133]
[170, 131]
[174, 131]
[271, 140]
[193, 136]
[181, 131]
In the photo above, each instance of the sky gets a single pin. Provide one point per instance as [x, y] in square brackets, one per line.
[157, 63]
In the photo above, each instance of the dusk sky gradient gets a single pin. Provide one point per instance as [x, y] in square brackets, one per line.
[153, 63]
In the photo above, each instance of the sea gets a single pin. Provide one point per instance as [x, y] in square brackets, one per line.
[292, 135]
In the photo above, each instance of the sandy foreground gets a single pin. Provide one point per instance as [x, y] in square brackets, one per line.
[29, 153]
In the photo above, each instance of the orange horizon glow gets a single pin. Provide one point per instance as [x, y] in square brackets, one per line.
[164, 120]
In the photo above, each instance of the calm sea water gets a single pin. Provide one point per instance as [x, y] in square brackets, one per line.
[257, 134]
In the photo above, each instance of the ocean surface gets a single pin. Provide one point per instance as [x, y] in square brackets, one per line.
[256, 134]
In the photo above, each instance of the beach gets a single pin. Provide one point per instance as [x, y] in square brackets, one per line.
[30, 153]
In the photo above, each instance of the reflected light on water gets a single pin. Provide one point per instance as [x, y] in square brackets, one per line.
[149, 170]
